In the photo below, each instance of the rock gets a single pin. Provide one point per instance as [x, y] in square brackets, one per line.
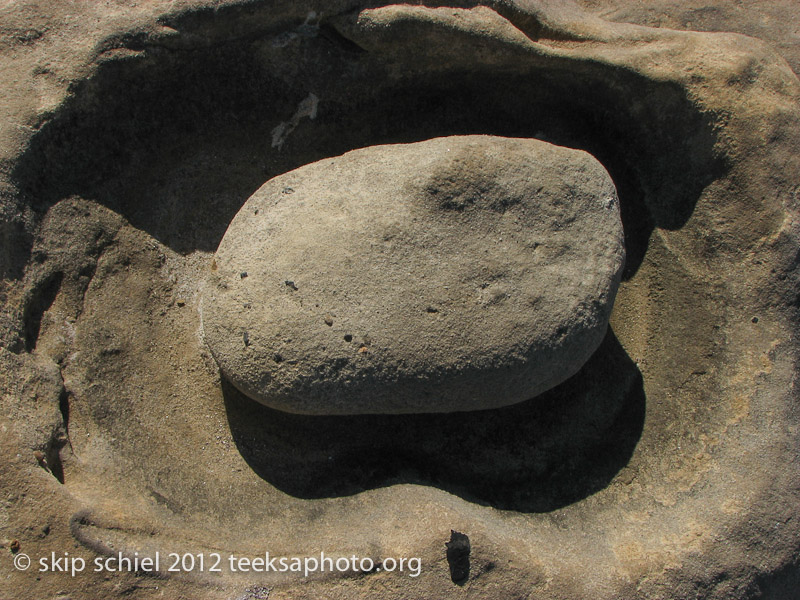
[454, 274]
[132, 133]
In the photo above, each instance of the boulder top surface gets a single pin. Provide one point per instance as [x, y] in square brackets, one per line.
[452, 274]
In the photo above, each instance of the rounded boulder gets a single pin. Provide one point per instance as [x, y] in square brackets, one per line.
[454, 274]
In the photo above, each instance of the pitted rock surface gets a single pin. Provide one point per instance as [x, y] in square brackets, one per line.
[454, 274]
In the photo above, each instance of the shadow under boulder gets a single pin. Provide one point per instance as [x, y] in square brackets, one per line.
[535, 456]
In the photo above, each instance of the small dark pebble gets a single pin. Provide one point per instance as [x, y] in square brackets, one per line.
[329, 321]
[243, 274]
[291, 284]
[348, 338]
[277, 358]
[754, 319]
[246, 338]
[288, 190]
[15, 546]
[431, 309]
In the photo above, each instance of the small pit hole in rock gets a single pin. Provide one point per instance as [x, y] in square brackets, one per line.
[458, 551]
[53, 455]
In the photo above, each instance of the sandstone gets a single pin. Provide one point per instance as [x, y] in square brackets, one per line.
[132, 133]
[453, 274]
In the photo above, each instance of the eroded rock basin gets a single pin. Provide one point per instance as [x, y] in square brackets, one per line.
[665, 467]
[458, 273]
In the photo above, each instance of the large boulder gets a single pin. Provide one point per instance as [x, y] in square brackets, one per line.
[453, 274]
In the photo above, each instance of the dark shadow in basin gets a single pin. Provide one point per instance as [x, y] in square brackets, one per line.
[178, 137]
[536, 456]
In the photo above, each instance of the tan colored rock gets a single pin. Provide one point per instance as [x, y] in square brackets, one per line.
[132, 133]
[458, 273]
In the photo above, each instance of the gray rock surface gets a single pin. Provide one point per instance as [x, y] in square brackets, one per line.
[459, 273]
